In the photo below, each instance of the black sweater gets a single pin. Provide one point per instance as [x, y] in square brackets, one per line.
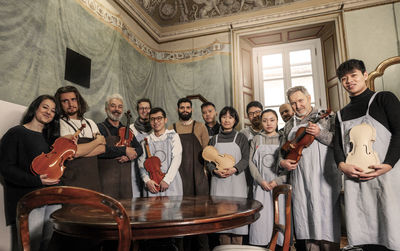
[19, 146]
[385, 108]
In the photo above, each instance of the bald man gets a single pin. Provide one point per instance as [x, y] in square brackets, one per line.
[286, 112]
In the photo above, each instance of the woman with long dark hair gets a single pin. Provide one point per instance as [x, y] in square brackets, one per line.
[19, 146]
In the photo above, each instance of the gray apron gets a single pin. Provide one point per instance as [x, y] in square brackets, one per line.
[114, 176]
[372, 207]
[316, 186]
[137, 182]
[261, 230]
[163, 150]
[232, 186]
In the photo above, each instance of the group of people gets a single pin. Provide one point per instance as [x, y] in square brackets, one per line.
[371, 201]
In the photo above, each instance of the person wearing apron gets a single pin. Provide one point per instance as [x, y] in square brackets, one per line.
[372, 202]
[264, 151]
[315, 179]
[230, 181]
[166, 145]
[141, 128]
[115, 163]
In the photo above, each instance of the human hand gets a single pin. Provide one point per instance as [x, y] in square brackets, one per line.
[268, 186]
[131, 153]
[313, 129]
[163, 186]
[72, 137]
[219, 172]
[123, 159]
[228, 172]
[350, 170]
[152, 186]
[288, 164]
[47, 181]
[379, 170]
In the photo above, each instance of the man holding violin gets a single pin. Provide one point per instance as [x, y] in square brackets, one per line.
[372, 201]
[115, 164]
[315, 179]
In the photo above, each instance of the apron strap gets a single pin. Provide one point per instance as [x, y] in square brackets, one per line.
[194, 122]
[174, 127]
[234, 139]
[339, 116]
[105, 127]
[73, 127]
[370, 102]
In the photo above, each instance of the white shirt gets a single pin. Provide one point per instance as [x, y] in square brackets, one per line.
[66, 129]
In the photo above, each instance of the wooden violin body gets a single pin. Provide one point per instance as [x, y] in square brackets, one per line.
[362, 154]
[153, 165]
[125, 133]
[221, 161]
[293, 149]
[52, 163]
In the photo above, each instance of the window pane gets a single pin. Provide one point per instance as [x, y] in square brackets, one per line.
[273, 73]
[300, 57]
[274, 92]
[272, 60]
[307, 82]
[301, 70]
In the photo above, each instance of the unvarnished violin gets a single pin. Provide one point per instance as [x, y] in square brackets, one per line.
[221, 161]
[153, 165]
[125, 133]
[52, 163]
[362, 154]
[293, 149]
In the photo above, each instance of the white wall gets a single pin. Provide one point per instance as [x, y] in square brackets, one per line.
[10, 115]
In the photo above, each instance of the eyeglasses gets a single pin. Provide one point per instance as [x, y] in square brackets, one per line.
[144, 108]
[256, 113]
[154, 119]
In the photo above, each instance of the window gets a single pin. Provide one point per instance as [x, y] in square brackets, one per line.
[283, 66]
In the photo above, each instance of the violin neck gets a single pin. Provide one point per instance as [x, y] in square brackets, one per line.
[128, 122]
[146, 145]
[79, 130]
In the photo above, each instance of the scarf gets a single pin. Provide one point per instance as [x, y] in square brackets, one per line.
[142, 127]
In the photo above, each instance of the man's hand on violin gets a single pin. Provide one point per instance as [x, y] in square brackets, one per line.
[288, 164]
[152, 186]
[48, 181]
[163, 186]
[379, 170]
[313, 129]
[131, 153]
[350, 170]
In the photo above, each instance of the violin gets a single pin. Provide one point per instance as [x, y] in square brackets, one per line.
[221, 161]
[362, 154]
[293, 149]
[153, 165]
[52, 163]
[125, 133]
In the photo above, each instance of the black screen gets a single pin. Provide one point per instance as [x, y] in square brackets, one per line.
[77, 68]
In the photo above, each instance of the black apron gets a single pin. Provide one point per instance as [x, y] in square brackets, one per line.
[82, 172]
[115, 177]
[194, 177]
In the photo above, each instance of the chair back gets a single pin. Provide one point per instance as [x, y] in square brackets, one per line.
[279, 228]
[72, 195]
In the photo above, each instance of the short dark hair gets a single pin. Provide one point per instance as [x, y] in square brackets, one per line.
[156, 110]
[141, 101]
[232, 112]
[51, 131]
[274, 112]
[184, 100]
[207, 104]
[349, 66]
[254, 104]
[82, 105]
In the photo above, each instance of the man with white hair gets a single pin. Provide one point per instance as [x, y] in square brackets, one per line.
[315, 179]
[115, 163]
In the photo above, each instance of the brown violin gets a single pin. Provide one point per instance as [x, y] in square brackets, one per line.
[125, 133]
[153, 165]
[362, 154]
[52, 163]
[293, 149]
[221, 161]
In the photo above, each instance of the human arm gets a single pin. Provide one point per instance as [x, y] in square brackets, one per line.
[176, 159]
[204, 138]
[243, 143]
[255, 173]
[93, 148]
[323, 130]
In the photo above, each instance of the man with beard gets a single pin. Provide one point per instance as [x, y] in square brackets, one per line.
[209, 114]
[141, 127]
[194, 137]
[80, 172]
[253, 109]
[115, 163]
[286, 112]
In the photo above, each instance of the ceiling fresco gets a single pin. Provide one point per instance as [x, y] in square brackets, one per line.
[172, 12]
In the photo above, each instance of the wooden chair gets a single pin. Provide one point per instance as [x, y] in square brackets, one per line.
[72, 195]
[277, 228]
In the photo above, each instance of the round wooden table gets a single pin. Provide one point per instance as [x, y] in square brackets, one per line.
[160, 217]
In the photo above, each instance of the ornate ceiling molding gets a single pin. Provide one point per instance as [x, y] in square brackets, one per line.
[117, 23]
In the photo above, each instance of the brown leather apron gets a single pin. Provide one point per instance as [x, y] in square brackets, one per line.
[115, 177]
[194, 177]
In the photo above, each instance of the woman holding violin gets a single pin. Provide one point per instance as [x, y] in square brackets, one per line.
[314, 177]
[19, 146]
[122, 148]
